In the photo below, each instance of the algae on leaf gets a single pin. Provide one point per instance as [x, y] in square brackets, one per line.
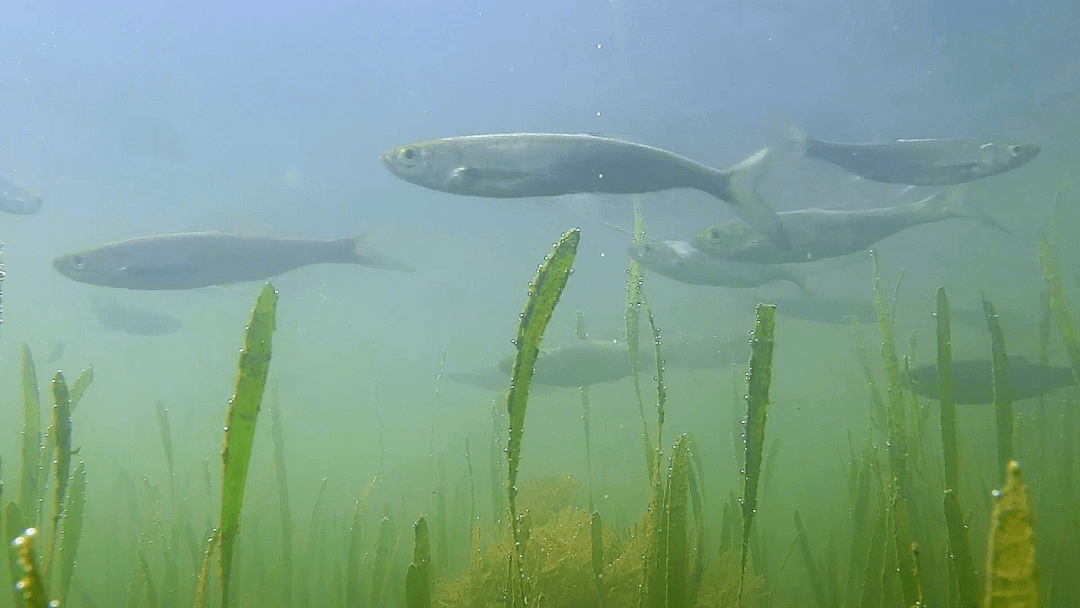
[240, 425]
[1010, 561]
[544, 293]
[31, 584]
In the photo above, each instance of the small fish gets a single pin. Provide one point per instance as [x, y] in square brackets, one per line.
[921, 162]
[825, 233]
[200, 259]
[973, 380]
[591, 362]
[518, 165]
[16, 199]
[834, 311]
[132, 320]
[682, 262]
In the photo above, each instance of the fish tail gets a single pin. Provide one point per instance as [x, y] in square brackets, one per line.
[741, 183]
[953, 202]
[360, 252]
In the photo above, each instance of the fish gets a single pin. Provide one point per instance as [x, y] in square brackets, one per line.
[520, 165]
[921, 162]
[133, 320]
[973, 380]
[682, 262]
[827, 233]
[834, 311]
[200, 259]
[17, 200]
[590, 362]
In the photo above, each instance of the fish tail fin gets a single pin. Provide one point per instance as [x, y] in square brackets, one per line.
[797, 279]
[361, 252]
[742, 181]
[953, 202]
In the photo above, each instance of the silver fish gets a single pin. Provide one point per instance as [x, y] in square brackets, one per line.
[921, 162]
[16, 199]
[200, 259]
[517, 165]
[818, 234]
[133, 320]
[682, 262]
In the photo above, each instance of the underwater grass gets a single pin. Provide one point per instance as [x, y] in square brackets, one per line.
[757, 404]
[31, 585]
[62, 435]
[1010, 562]
[675, 525]
[72, 533]
[585, 415]
[948, 402]
[1003, 410]
[963, 564]
[240, 425]
[596, 535]
[544, 293]
[418, 578]
[29, 487]
[635, 299]
[1059, 303]
[894, 403]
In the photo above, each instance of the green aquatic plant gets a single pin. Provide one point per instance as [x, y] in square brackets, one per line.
[963, 565]
[1010, 561]
[32, 583]
[29, 488]
[418, 578]
[894, 402]
[72, 532]
[1059, 303]
[1003, 410]
[544, 293]
[635, 299]
[948, 403]
[585, 415]
[62, 461]
[757, 406]
[240, 425]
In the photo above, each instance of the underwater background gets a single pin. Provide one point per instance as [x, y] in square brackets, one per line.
[147, 118]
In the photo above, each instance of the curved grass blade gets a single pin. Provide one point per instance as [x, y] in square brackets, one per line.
[948, 402]
[13, 527]
[544, 293]
[78, 388]
[676, 528]
[1010, 562]
[240, 425]
[1002, 403]
[418, 578]
[635, 299]
[73, 524]
[29, 487]
[204, 570]
[757, 404]
[1059, 303]
[62, 433]
[808, 561]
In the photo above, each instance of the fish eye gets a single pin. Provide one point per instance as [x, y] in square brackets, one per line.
[78, 262]
[1014, 150]
[714, 234]
[408, 155]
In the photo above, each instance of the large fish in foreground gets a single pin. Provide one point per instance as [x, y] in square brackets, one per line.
[516, 165]
[16, 199]
[200, 259]
[826, 233]
[973, 380]
[921, 162]
[682, 262]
